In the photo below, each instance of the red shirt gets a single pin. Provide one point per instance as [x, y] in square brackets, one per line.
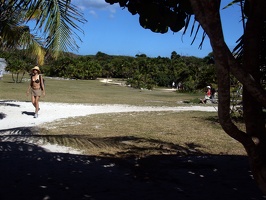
[208, 93]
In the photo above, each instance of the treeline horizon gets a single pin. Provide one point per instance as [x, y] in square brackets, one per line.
[139, 72]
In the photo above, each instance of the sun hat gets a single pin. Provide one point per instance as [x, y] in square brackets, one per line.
[36, 68]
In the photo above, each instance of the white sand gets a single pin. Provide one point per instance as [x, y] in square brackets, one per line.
[20, 114]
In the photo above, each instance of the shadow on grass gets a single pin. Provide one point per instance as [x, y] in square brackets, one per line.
[17, 132]
[119, 146]
[30, 172]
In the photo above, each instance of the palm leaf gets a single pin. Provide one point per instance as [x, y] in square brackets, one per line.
[56, 19]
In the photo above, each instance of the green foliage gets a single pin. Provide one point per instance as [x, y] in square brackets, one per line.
[236, 110]
[18, 63]
[56, 21]
[159, 17]
[140, 71]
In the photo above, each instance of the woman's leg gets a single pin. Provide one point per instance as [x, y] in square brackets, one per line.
[33, 101]
[37, 104]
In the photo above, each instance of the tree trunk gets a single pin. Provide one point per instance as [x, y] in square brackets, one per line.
[253, 110]
[17, 77]
[22, 77]
[13, 77]
[208, 15]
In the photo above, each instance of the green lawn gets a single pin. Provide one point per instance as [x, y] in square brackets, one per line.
[95, 92]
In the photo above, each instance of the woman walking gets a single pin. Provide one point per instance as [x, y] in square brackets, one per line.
[36, 87]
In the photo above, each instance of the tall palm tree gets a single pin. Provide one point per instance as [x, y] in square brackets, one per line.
[54, 24]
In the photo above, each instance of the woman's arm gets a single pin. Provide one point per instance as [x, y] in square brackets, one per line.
[43, 87]
[28, 90]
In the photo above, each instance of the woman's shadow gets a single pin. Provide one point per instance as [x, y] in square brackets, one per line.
[27, 113]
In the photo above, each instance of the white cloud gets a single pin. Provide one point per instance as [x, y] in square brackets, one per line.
[94, 5]
[93, 13]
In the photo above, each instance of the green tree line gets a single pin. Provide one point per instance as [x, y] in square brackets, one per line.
[139, 71]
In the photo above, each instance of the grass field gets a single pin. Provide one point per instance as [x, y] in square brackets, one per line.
[127, 134]
[94, 91]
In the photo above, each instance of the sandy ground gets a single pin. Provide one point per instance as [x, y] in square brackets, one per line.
[31, 171]
[20, 114]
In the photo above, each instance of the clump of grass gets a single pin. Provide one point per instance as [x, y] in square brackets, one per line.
[192, 101]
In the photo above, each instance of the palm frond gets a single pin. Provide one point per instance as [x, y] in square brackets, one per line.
[11, 35]
[57, 19]
[232, 3]
[34, 45]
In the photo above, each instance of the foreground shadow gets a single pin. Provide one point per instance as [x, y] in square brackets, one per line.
[30, 172]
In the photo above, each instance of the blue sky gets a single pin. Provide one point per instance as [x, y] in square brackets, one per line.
[114, 31]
